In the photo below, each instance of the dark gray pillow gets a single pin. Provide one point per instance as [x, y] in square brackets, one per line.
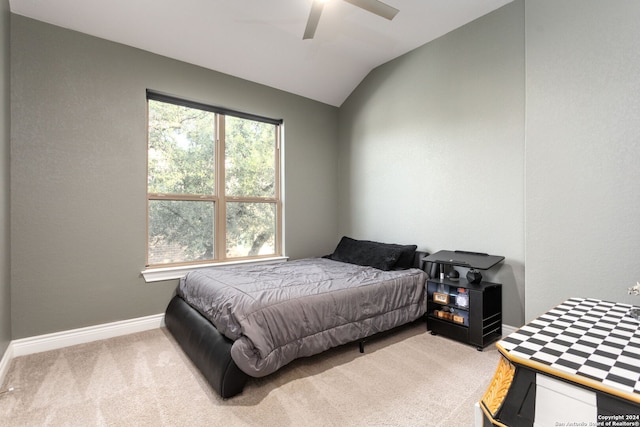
[367, 253]
[407, 255]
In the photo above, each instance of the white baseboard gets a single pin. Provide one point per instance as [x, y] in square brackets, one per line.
[5, 362]
[477, 415]
[507, 329]
[40, 343]
[62, 339]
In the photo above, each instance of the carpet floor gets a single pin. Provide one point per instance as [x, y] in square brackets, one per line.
[406, 378]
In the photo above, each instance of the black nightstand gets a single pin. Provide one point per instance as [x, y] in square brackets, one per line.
[467, 312]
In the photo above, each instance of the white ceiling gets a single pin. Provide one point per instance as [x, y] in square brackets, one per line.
[261, 40]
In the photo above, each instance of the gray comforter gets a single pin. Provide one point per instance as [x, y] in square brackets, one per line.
[276, 313]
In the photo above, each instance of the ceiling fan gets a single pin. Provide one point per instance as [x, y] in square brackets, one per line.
[374, 6]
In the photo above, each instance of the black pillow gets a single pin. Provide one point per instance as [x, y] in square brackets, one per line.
[367, 253]
[407, 255]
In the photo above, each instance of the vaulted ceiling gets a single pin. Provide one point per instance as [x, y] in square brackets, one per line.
[261, 40]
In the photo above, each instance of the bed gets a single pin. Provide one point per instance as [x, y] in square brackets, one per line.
[236, 322]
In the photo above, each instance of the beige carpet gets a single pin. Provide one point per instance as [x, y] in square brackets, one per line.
[408, 378]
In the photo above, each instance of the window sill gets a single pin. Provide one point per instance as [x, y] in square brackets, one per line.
[169, 273]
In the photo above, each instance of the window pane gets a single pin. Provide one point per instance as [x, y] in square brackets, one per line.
[181, 149]
[180, 231]
[250, 161]
[251, 229]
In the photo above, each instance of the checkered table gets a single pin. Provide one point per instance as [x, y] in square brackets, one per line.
[595, 342]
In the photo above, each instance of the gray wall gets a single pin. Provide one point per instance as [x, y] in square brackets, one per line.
[456, 145]
[432, 146]
[5, 288]
[78, 173]
[582, 151]
[459, 144]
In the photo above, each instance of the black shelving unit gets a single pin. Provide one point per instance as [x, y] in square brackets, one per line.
[467, 312]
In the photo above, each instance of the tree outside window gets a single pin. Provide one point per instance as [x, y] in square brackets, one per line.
[213, 184]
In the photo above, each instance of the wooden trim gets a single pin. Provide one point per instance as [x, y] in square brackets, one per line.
[493, 421]
[576, 379]
[220, 229]
[181, 197]
[146, 243]
[499, 387]
[219, 197]
[251, 199]
[279, 230]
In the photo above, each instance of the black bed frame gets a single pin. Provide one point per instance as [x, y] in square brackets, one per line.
[209, 350]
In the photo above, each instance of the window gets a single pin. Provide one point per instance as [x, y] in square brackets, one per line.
[213, 184]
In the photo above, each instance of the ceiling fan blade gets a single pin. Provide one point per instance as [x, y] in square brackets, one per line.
[377, 7]
[314, 17]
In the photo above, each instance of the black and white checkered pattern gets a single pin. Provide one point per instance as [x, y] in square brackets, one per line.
[587, 337]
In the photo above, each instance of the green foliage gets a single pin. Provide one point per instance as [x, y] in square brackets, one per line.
[250, 158]
[250, 226]
[182, 164]
[249, 172]
[180, 231]
[181, 149]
